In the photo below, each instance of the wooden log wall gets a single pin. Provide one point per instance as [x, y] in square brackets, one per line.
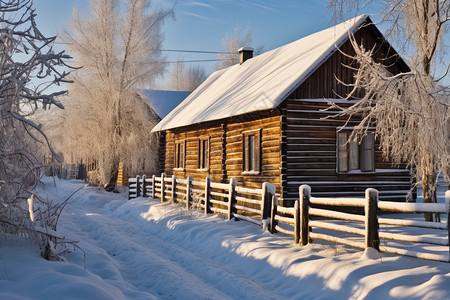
[191, 136]
[162, 151]
[309, 149]
[270, 151]
[226, 155]
[322, 82]
[311, 157]
[122, 176]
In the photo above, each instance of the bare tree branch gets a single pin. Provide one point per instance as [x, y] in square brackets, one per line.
[27, 60]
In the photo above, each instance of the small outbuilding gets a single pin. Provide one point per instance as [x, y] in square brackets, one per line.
[264, 120]
[159, 104]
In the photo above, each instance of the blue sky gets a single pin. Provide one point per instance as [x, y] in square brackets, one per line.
[201, 25]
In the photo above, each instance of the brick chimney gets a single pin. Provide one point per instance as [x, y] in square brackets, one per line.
[245, 53]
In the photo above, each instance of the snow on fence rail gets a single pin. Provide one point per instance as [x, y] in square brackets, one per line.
[303, 221]
[139, 187]
[228, 199]
[365, 226]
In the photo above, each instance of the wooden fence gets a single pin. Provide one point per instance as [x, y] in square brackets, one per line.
[304, 220]
[310, 216]
[139, 187]
[228, 199]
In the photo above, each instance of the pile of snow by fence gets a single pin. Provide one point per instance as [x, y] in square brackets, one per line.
[145, 249]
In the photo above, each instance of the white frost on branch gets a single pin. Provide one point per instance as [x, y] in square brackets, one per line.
[411, 109]
[231, 43]
[411, 113]
[183, 78]
[118, 47]
[28, 67]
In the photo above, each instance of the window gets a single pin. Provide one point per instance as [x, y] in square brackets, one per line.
[203, 153]
[180, 154]
[354, 156]
[367, 161]
[252, 151]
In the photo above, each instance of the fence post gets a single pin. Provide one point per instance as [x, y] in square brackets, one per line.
[207, 195]
[273, 222]
[188, 192]
[268, 190]
[372, 240]
[130, 183]
[305, 194]
[153, 186]
[174, 188]
[138, 186]
[163, 187]
[144, 188]
[296, 222]
[232, 197]
[447, 206]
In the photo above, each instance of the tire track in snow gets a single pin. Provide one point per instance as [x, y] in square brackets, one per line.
[169, 270]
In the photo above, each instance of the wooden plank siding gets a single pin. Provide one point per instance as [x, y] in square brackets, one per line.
[122, 176]
[226, 150]
[270, 151]
[322, 82]
[162, 150]
[191, 137]
[310, 140]
[311, 157]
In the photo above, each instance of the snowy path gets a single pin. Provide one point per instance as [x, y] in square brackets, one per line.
[159, 267]
[142, 249]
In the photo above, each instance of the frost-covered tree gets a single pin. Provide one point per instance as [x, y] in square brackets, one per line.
[231, 43]
[411, 110]
[118, 47]
[28, 67]
[183, 78]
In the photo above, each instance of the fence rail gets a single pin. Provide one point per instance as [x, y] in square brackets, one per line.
[229, 199]
[310, 217]
[305, 221]
[139, 187]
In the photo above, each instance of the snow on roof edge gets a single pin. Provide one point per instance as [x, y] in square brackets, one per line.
[313, 100]
[173, 120]
[326, 55]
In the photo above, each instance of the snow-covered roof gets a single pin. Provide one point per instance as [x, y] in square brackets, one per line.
[162, 101]
[260, 83]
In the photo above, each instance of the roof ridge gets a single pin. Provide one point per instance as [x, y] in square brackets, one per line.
[263, 82]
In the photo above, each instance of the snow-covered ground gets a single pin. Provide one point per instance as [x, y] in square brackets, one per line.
[142, 249]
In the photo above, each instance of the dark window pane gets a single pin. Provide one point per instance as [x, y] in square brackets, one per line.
[342, 152]
[251, 152]
[368, 153]
[353, 161]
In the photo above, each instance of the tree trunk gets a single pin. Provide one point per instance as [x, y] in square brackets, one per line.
[429, 195]
[111, 185]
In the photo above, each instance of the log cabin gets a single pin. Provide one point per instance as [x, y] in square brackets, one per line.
[264, 120]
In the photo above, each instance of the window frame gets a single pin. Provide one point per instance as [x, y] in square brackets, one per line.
[180, 149]
[204, 153]
[354, 156]
[251, 149]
